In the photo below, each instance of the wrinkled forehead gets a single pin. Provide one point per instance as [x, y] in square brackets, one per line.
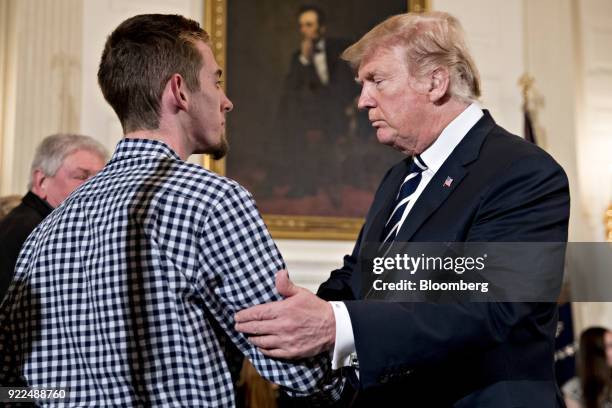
[381, 58]
[82, 159]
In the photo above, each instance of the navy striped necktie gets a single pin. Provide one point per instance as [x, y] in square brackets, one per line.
[404, 196]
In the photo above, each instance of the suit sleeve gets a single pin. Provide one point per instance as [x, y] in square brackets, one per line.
[528, 203]
[338, 286]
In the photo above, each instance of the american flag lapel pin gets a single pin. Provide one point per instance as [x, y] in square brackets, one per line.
[447, 182]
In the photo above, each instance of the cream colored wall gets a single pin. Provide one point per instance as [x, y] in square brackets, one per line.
[41, 90]
[48, 63]
[494, 28]
[593, 33]
[7, 72]
[100, 17]
[594, 103]
[310, 262]
[549, 24]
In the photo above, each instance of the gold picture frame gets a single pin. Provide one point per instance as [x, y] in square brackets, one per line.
[281, 226]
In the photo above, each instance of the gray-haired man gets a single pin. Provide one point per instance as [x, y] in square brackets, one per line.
[62, 163]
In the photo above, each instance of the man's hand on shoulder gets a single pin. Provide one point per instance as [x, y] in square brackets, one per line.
[299, 326]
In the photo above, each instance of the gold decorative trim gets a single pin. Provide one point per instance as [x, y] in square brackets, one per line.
[308, 227]
[215, 23]
[419, 6]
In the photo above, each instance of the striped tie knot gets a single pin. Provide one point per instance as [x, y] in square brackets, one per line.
[404, 195]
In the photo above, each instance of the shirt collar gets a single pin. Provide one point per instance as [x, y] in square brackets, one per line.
[142, 147]
[320, 45]
[436, 154]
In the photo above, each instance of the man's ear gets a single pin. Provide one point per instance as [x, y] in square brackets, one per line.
[179, 94]
[440, 81]
[38, 180]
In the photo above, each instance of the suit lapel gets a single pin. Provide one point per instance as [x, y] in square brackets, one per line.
[377, 217]
[431, 198]
[454, 170]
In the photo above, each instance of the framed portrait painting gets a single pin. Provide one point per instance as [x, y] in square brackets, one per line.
[298, 141]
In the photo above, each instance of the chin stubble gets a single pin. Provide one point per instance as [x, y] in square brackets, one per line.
[220, 150]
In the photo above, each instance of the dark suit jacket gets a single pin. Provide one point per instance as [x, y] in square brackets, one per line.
[14, 229]
[462, 354]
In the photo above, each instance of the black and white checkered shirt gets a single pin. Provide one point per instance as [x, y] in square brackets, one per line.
[121, 294]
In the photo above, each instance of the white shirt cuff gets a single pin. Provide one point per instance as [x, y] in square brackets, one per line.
[345, 341]
[304, 60]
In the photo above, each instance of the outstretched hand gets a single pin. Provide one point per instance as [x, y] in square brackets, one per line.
[301, 325]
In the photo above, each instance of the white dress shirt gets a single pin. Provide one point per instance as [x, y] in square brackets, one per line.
[434, 156]
[319, 59]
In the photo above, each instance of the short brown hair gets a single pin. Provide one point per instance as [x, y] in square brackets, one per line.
[429, 40]
[139, 58]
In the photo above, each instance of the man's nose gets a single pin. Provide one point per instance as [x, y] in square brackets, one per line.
[365, 100]
[227, 106]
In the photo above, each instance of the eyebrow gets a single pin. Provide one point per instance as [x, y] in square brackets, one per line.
[369, 76]
[219, 73]
[84, 170]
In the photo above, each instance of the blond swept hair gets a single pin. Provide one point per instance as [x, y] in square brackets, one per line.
[429, 40]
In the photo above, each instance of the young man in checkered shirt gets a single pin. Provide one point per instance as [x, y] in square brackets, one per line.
[125, 294]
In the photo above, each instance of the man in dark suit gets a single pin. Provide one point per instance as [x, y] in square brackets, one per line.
[62, 163]
[318, 93]
[465, 180]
